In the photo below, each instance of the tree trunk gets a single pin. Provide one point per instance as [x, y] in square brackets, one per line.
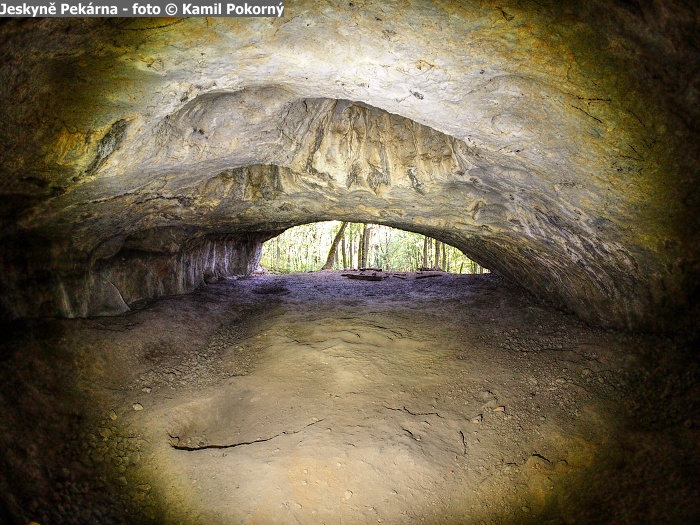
[360, 247]
[345, 253]
[278, 258]
[369, 249]
[365, 243]
[386, 263]
[334, 247]
[425, 252]
[361, 257]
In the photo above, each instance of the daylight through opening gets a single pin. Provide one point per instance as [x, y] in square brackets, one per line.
[336, 245]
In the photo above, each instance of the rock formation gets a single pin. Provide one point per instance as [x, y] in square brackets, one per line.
[554, 144]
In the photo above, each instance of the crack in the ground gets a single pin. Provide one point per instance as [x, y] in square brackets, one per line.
[404, 409]
[540, 456]
[411, 434]
[464, 442]
[175, 440]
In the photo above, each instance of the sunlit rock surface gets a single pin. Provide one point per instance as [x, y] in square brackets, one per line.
[556, 145]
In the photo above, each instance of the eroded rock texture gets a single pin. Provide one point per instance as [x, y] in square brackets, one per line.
[553, 144]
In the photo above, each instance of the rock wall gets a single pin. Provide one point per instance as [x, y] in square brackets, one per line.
[132, 276]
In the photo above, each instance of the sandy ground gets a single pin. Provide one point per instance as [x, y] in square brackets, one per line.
[317, 399]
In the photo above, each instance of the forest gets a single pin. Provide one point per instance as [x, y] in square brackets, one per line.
[338, 245]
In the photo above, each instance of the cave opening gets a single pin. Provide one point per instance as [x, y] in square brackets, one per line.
[338, 245]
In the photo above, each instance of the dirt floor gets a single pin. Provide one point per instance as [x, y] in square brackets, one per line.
[315, 398]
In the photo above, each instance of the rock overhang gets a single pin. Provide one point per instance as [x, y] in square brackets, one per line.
[508, 138]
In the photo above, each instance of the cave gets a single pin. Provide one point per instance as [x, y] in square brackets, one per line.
[151, 374]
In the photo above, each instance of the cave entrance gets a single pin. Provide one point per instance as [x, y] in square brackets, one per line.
[336, 245]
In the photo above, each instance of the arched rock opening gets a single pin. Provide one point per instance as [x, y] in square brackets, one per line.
[163, 154]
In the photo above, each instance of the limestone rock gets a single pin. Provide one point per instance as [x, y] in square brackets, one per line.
[554, 144]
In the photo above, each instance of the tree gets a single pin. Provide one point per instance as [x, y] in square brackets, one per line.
[278, 253]
[425, 252]
[334, 247]
[345, 253]
[351, 257]
[361, 248]
[365, 245]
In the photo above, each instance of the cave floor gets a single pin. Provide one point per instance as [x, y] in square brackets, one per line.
[314, 398]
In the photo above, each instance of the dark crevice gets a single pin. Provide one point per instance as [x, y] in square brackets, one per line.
[175, 440]
[404, 409]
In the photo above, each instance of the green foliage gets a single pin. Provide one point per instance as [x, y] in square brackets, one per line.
[305, 248]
